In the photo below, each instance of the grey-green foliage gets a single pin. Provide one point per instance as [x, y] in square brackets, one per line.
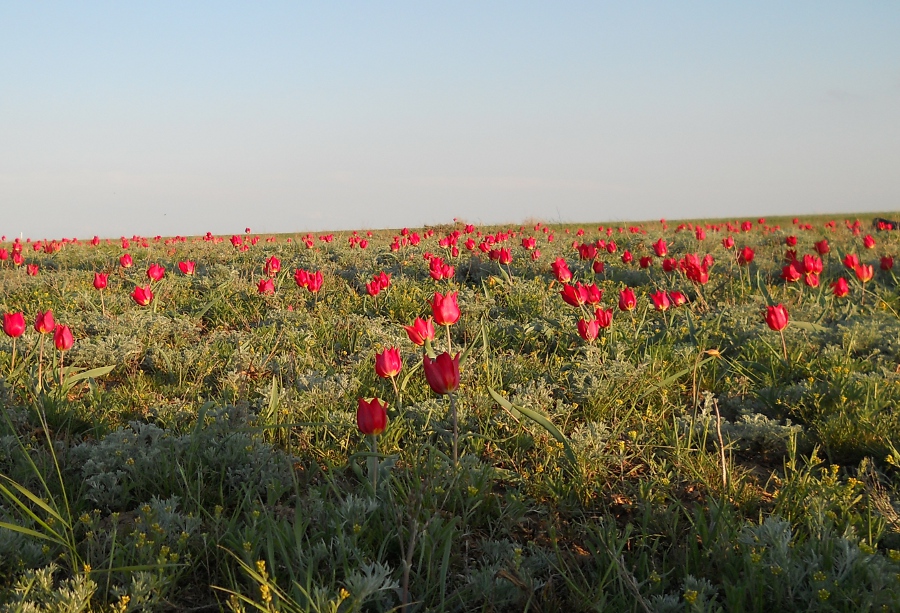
[39, 591]
[142, 460]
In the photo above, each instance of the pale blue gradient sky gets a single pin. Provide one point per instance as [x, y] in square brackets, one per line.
[178, 118]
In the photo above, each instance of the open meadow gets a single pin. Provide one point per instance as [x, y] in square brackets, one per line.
[654, 417]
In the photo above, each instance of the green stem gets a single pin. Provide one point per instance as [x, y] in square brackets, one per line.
[455, 420]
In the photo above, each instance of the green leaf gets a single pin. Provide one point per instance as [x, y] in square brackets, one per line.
[673, 378]
[807, 325]
[539, 419]
[90, 374]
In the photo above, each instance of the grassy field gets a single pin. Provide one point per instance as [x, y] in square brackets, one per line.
[206, 448]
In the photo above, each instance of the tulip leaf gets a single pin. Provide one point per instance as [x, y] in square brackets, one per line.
[538, 418]
[808, 325]
[90, 374]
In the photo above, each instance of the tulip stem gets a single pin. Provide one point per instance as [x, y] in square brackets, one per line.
[61, 368]
[449, 348]
[396, 392]
[455, 420]
[12, 364]
[373, 462]
[41, 364]
[102, 305]
[784, 345]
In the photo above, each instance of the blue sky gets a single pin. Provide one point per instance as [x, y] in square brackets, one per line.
[178, 118]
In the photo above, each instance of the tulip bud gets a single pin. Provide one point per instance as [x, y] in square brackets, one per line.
[442, 373]
[371, 416]
[125, 261]
[100, 280]
[627, 300]
[445, 309]
[840, 288]
[155, 272]
[588, 330]
[13, 324]
[142, 295]
[420, 331]
[62, 338]
[777, 317]
[187, 268]
[388, 363]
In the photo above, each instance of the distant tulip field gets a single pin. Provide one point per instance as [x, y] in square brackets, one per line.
[666, 416]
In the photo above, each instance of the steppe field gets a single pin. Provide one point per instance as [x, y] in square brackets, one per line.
[655, 416]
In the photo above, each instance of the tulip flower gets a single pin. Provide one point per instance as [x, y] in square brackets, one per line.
[851, 261]
[155, 272]
[388, 363]
[301, 277]
[627, 258]
[811, 280]
[266, 287]
[44, 322]
[627, 299]
[100, 280]
[887, 262]
[597, 267]
[840, 288]
[728, 242]
[822, 247]
[594, 294]
[790, 273]
[31, 270]
[13, 324]
[588, 330]
[125, 261]
[777, 320]
[445, 309]
[442, 373]
[603, 317]
[373, 288]
[660, 248]
[62, 338]
[700, 233]
[4, 255]
[790, 241]
[777, 317]
[371, 416]
[697, 273]
[561, 270]
[677, 298]
[536, 255]
[187, 268]
[574, 295]
[746, 255]
[383, 279]
[611, 247]
[314, 282]
[864, 272]
[646, 261]
[273, 266]
[660, 300]
[142, 295]
[868, 241]
[420, 331]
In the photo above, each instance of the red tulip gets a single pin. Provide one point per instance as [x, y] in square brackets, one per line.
[670, 265]
[373, 288]
[574, 295]
[314, 282]
[32, 270]
[4, 255]
[187, 268]
[790, 273]
[142, 295]
[442, 373]
[388, 363]
[301, 277]
[125, 261]
[790, 241]
[777, 317]
[697, 273]
[611, 247]
[811, 279]
[594, 294]
[728, 242]
[420, 331]
[627, 299]
[660, 300]
[811, 265]
[822, 247]
[700, 233]
[371, 416]
[864, 272]
[660, 248]
[561, 270]
[677, 298]
[383, 279]
[13, 324]
[840, 288]
[587, 251]
[536, 254]
[273, 266]
[155, 272]
[746, 255]
[588, 330]
[529, 243]
[44, 322]
[646, 261]
[851, 260]
[627, 257]
[604, 317]
[62, 338]
[266, 286]
[100, 280]
[868, 241]
[597, 267]
[887, 262]
[445, 309]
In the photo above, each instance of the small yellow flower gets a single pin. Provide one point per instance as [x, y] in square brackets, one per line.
[824, 594]
[819, 576]
[691, 596]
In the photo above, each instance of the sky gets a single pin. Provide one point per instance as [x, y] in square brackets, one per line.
[187, 117]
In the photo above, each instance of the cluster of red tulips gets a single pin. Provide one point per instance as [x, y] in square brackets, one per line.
[14, 326]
